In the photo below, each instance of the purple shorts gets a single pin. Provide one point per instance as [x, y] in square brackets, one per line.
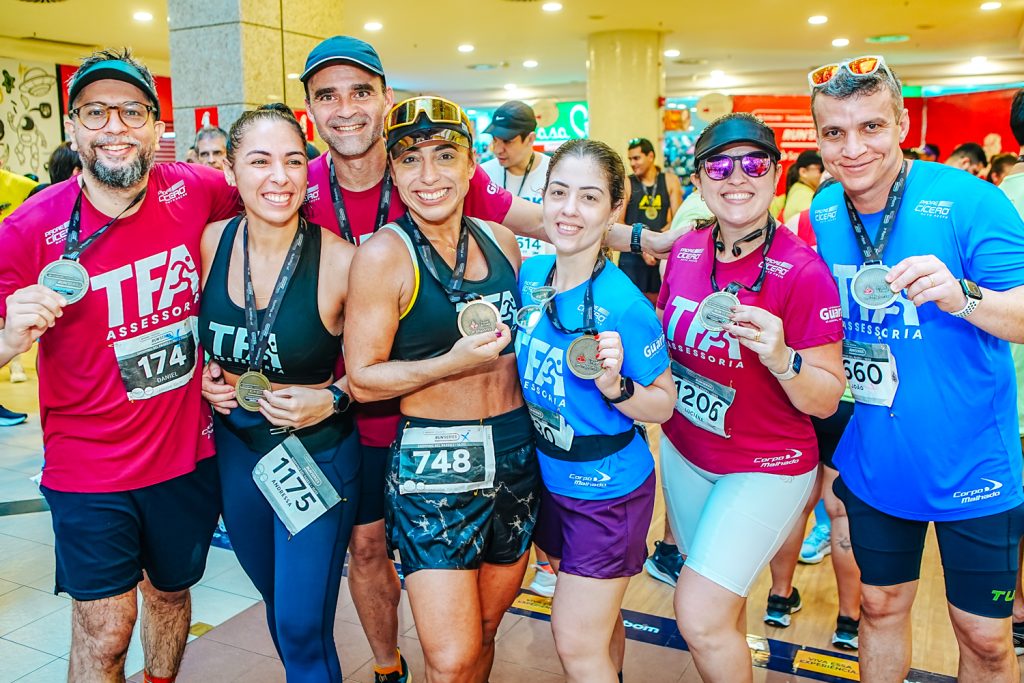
[600, 539]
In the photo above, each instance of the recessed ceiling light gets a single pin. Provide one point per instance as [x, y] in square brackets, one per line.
[552, 7]
[373, 26]
[979, 60]
[293, 77]
[530, 64]
[840, 42]
[817, 19]
[717, 73]
[510, 86]
[989, 6]
[466, 47]
[142, 16]
[671, 53]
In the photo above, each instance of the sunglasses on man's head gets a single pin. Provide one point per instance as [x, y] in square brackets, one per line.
[721, 166]
[858, 66]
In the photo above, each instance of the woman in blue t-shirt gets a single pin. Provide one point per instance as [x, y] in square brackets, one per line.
[592, 359]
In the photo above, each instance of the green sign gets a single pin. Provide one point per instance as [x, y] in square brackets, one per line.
[573, 123]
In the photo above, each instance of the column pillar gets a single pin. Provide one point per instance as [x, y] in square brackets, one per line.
[236, 55]
[625, 81]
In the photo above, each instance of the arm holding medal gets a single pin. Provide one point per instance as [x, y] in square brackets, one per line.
[652, 403]
[926, 278]
[819, 381]
[30, 312]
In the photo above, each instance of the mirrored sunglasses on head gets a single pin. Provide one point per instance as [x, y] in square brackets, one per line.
[436, 109]
[721, 166]
[858, 66]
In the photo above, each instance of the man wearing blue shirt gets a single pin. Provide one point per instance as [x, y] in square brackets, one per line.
[930, 266]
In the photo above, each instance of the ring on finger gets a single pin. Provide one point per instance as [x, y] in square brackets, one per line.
[757, 336]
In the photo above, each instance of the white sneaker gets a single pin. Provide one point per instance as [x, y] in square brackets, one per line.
[543, 581]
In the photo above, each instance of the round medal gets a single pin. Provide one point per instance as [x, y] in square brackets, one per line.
[66, 277]
[582, 357]
[714, 311]
[249, 389]
[478, 316]
[651, 213]
[870, 289]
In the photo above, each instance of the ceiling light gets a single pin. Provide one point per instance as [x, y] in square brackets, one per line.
[717, 73]
[510, 86]
[293, 77]
[552, 7]
[466, 47]
[840, 42]
[979, 60]
[142, 16]
[817, 19]
[530, 64]
[671, 53]
[373, 26]
[989, 6]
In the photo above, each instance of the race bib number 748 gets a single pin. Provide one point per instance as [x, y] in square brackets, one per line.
[446, 459]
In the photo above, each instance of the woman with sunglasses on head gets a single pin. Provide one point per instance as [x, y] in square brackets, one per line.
[592, 360]
[433, 297]
[274, 289]
[753, 324]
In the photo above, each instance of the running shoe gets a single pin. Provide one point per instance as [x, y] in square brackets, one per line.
[1018, 638]
[817, 545]
[665, 563]
[779, 609]
[403, 676]
[543, 580]
[845, 637]
[9, 418]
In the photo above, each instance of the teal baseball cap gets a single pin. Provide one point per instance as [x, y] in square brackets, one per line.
[114, 69]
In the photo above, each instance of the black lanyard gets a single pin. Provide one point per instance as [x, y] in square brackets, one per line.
[873, 252]
[259, 337]
[454, 287]
[504, 178]
[339, 203]
[588, 303]
[72, 247]
[734, 287]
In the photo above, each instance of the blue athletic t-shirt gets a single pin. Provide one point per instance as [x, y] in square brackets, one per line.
[548, 383]
[948, 449]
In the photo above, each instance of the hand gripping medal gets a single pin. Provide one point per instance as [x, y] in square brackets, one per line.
[868, 286]
[66, 275]
[478, 316]
[581, 356]
[714, 311]
[250, 385]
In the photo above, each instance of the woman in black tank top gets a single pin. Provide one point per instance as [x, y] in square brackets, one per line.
[433, 298]
[271, 316]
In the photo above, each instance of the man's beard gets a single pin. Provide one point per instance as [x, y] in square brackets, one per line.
[120, 177]
[352, 146]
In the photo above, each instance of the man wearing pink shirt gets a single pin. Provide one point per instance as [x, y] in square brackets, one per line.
[102, 269]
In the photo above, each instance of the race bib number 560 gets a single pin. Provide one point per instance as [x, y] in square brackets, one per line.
[871, 372]
[446, 459]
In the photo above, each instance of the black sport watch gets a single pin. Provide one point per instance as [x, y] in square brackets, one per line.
[634, 238]
[342, 401]
[626, 388]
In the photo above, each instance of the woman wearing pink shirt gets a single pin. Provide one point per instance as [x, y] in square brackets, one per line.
[751, 315]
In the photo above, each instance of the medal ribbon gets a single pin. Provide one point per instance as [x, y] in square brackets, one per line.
[504, 177]
[339, 204]
[872, 252]
[259, 337]
[588, 303]
[734, 287]
[454, 287]
[72, 247]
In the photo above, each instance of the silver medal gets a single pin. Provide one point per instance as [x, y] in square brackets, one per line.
[870, 289]
[68, 278]
[715, 310]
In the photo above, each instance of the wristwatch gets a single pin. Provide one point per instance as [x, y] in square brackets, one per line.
[792, 370]
[626, 389]
[634, 238]
[342, 401]
[973, 293]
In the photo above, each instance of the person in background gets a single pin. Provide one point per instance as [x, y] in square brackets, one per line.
[211, 147]
[999, 166]
[802, 180]
[928, 152]
[969, 157]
